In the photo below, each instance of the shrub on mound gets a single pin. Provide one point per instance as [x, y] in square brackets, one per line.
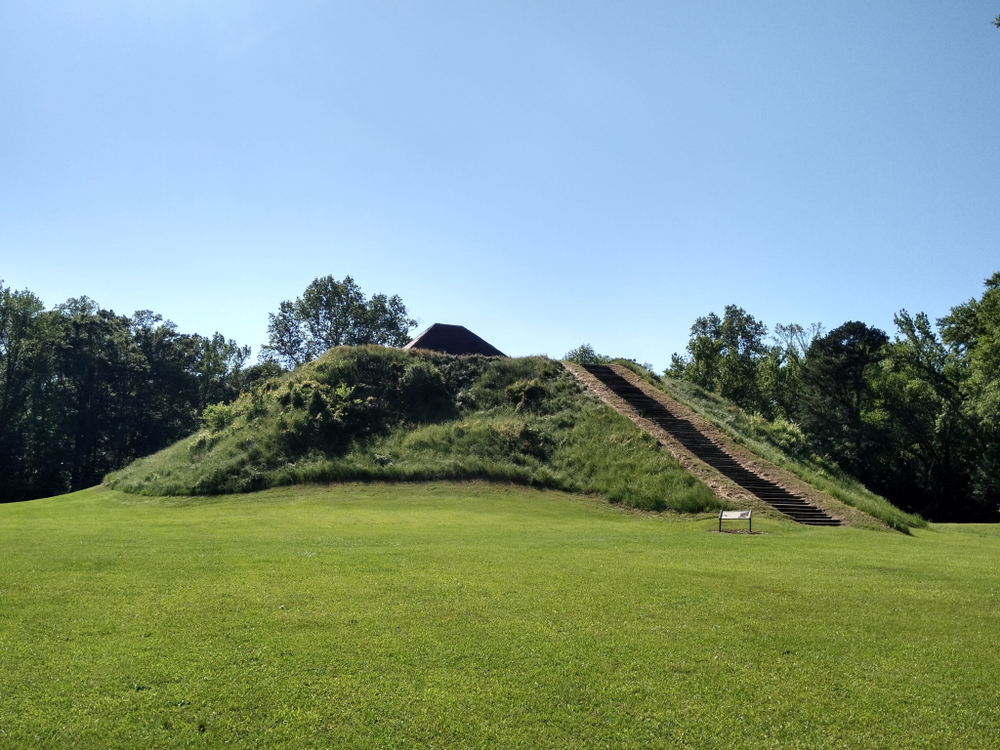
[373, 413]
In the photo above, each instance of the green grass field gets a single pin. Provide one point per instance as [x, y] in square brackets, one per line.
[454, 616]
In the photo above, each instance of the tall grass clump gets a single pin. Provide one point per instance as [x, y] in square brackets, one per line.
[782, 443]
[372, 413]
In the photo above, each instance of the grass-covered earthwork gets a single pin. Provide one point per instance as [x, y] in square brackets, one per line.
[371, 413]
[471, 616]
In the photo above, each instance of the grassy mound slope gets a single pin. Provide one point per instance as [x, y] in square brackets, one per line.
[375, 616]
[371, 413]
[783, 444]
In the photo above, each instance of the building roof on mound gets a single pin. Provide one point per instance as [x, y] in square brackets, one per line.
[449, 339]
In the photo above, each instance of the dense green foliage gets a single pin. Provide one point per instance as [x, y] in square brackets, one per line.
[915, 418]
[725, 355]
[731, 356]
[84, 390]
[333, 313]
[837, 393]
[432, 615]
[585, 355]
[373, 413]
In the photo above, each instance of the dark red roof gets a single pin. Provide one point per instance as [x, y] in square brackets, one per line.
[449, 339]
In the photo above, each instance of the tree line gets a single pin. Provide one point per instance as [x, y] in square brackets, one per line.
[85, 391]
[915, 417]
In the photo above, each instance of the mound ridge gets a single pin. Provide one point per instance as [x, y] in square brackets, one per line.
[380, 414]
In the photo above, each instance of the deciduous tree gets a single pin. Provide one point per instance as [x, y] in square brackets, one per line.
[26, 347]
[972, 331]
[334, 313]
[585, 355]
[724, 355]
[84, 390]
[836, 390]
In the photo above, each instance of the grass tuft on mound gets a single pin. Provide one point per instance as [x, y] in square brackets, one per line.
[783, 444]
[378, 414]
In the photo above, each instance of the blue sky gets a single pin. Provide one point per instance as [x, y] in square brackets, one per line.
[544, 173]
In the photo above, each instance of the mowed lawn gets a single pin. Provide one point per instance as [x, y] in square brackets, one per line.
[453, 616]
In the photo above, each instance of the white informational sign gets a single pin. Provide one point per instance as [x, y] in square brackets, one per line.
[735, 515]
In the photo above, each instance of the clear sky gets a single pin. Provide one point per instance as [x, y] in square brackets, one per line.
[544, 173]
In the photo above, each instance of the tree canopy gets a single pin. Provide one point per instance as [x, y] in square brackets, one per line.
[84, 390]
[730, 355]
[836, 392]
[915, 418]
[585, 355]
[334, 313]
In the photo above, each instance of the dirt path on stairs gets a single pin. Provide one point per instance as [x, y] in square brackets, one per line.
[722, 486]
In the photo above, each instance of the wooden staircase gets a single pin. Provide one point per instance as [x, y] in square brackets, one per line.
[698, 443]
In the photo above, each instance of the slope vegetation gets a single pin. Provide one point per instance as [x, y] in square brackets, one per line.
[372, 413]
